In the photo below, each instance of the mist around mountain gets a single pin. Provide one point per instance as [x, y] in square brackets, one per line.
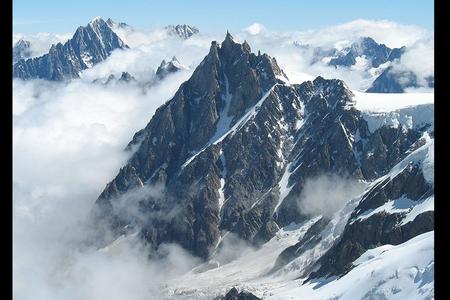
[224, 168]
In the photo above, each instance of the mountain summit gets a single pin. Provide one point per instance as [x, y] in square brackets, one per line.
[89, 45]
[183, 31]
[168, 67]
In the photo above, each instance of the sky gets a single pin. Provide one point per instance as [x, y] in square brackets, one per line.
[30, 17]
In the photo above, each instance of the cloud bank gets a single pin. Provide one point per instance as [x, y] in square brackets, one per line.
[68, 141]
[41, 42]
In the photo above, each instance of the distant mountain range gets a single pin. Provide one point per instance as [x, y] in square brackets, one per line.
[372, 55]
[183, 31]
[89, 45]
[96, 41]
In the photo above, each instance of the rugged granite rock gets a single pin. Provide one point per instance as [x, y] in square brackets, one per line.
[183, 31]
[231, 151]
[88, 46]
[21, 50]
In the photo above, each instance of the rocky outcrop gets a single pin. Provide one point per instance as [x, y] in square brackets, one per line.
[168, 67]
[231, 151]
[378, 219]
[88, 46]
[183, 151]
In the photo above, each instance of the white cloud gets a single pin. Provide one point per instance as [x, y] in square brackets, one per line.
[255, 28]
[419, 59]
[383, 31]
[68, 141]
[41, 42]
[327, 194]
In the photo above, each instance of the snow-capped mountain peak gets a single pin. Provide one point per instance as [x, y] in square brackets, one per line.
[183, 31]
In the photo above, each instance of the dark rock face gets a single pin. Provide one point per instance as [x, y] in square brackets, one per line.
[335, 138]
[392, 81]
[183, 31]
[234, 294]
[382, 227]
[228, 82]
[88, 46]
[21, 50]
[232, 150]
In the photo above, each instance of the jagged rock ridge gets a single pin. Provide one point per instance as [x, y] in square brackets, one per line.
[183, 31]
[377, 53]
[231, 151]
[88, 46]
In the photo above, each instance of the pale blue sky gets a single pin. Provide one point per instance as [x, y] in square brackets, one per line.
[57, 16]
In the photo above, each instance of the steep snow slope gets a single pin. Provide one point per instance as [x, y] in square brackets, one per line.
[405, 271]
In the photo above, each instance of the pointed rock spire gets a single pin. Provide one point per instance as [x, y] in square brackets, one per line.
[246, 46]
[228, 39]
[228, 36]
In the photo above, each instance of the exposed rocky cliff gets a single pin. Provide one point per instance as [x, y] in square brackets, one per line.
[232, 150]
